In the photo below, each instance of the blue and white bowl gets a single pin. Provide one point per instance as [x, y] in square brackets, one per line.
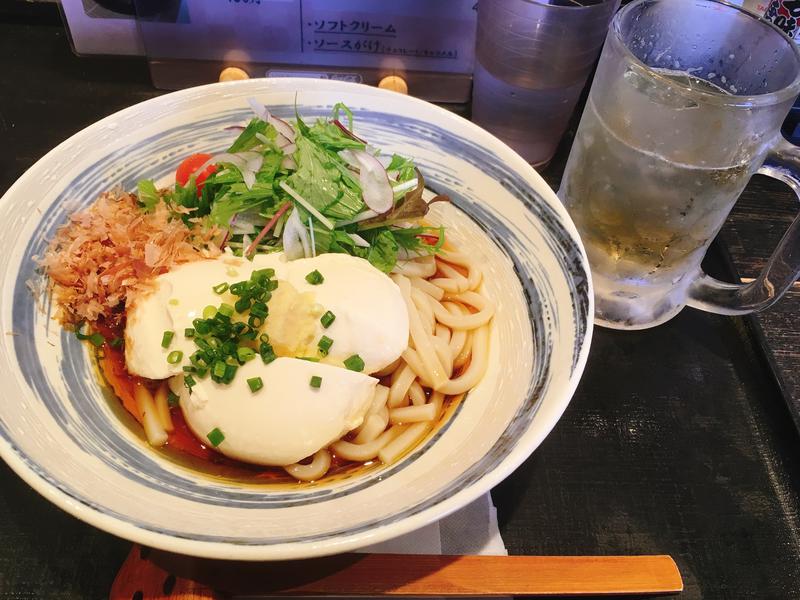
[63, 435]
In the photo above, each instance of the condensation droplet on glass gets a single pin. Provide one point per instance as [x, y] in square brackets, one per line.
[723, 79]
[712, 75]
[731, 56]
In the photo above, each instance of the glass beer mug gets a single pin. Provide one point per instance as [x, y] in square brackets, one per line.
[685, 107]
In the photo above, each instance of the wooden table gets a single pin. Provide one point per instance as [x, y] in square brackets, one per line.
[678, 440]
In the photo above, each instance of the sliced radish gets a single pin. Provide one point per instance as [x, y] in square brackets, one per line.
[376, 190]
[350, 158]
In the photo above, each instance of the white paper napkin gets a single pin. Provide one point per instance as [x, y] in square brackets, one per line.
[471, 530]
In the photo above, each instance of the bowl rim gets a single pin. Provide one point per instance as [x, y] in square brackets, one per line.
[348, 542]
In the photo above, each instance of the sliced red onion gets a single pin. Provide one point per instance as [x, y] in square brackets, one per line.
[289, 149]
[258, 108]
[246, 223]
[234, 128]
[283, 127]
[359, 241]
[249, 179]
[362, 216]
[254, 163]
[347, 132]
[247, 163]
[376, 189]
[262, 112]
[288, 163]
[295, 238]
[270, 224]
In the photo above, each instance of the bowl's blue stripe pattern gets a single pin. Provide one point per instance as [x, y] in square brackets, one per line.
[90, 431]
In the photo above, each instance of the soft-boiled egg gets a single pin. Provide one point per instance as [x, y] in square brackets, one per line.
[288, 419]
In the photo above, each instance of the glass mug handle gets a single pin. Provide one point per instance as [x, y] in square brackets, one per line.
[783, 268]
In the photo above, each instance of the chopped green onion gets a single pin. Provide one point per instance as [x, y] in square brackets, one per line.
[243, 353]
[116, 342]
[316, 381]
[242, 304]
[324, 345]
[255, 322]
[308, 358]
[261, 276]
[327, 319]
[97, 340]
[174, 357]
[267, 353]
[209, 312]
[226, 309]
[173, 400]
[201, 327]
[79, 334]
[263, 338]
[218, 370]
[315, 277]
[259, 309]
[255, 384]
[220, 288]
[166, 339]
[216, 437]
[354, 363]
[188, 332]
[189, 382]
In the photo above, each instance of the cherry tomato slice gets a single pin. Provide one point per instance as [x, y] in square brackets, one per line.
[189, 167]
[431, 240]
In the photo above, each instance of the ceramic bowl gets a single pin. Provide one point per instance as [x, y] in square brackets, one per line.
[62, 433]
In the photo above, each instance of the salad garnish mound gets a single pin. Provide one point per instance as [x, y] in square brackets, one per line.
[297, 187]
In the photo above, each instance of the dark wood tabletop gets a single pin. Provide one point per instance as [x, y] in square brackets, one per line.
[678, 441]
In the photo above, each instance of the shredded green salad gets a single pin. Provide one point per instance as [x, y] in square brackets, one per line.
[304, 189]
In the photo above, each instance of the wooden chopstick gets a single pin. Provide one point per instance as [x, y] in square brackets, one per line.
[162, 576]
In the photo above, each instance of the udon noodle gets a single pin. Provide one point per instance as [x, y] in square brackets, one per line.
[447, 356]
